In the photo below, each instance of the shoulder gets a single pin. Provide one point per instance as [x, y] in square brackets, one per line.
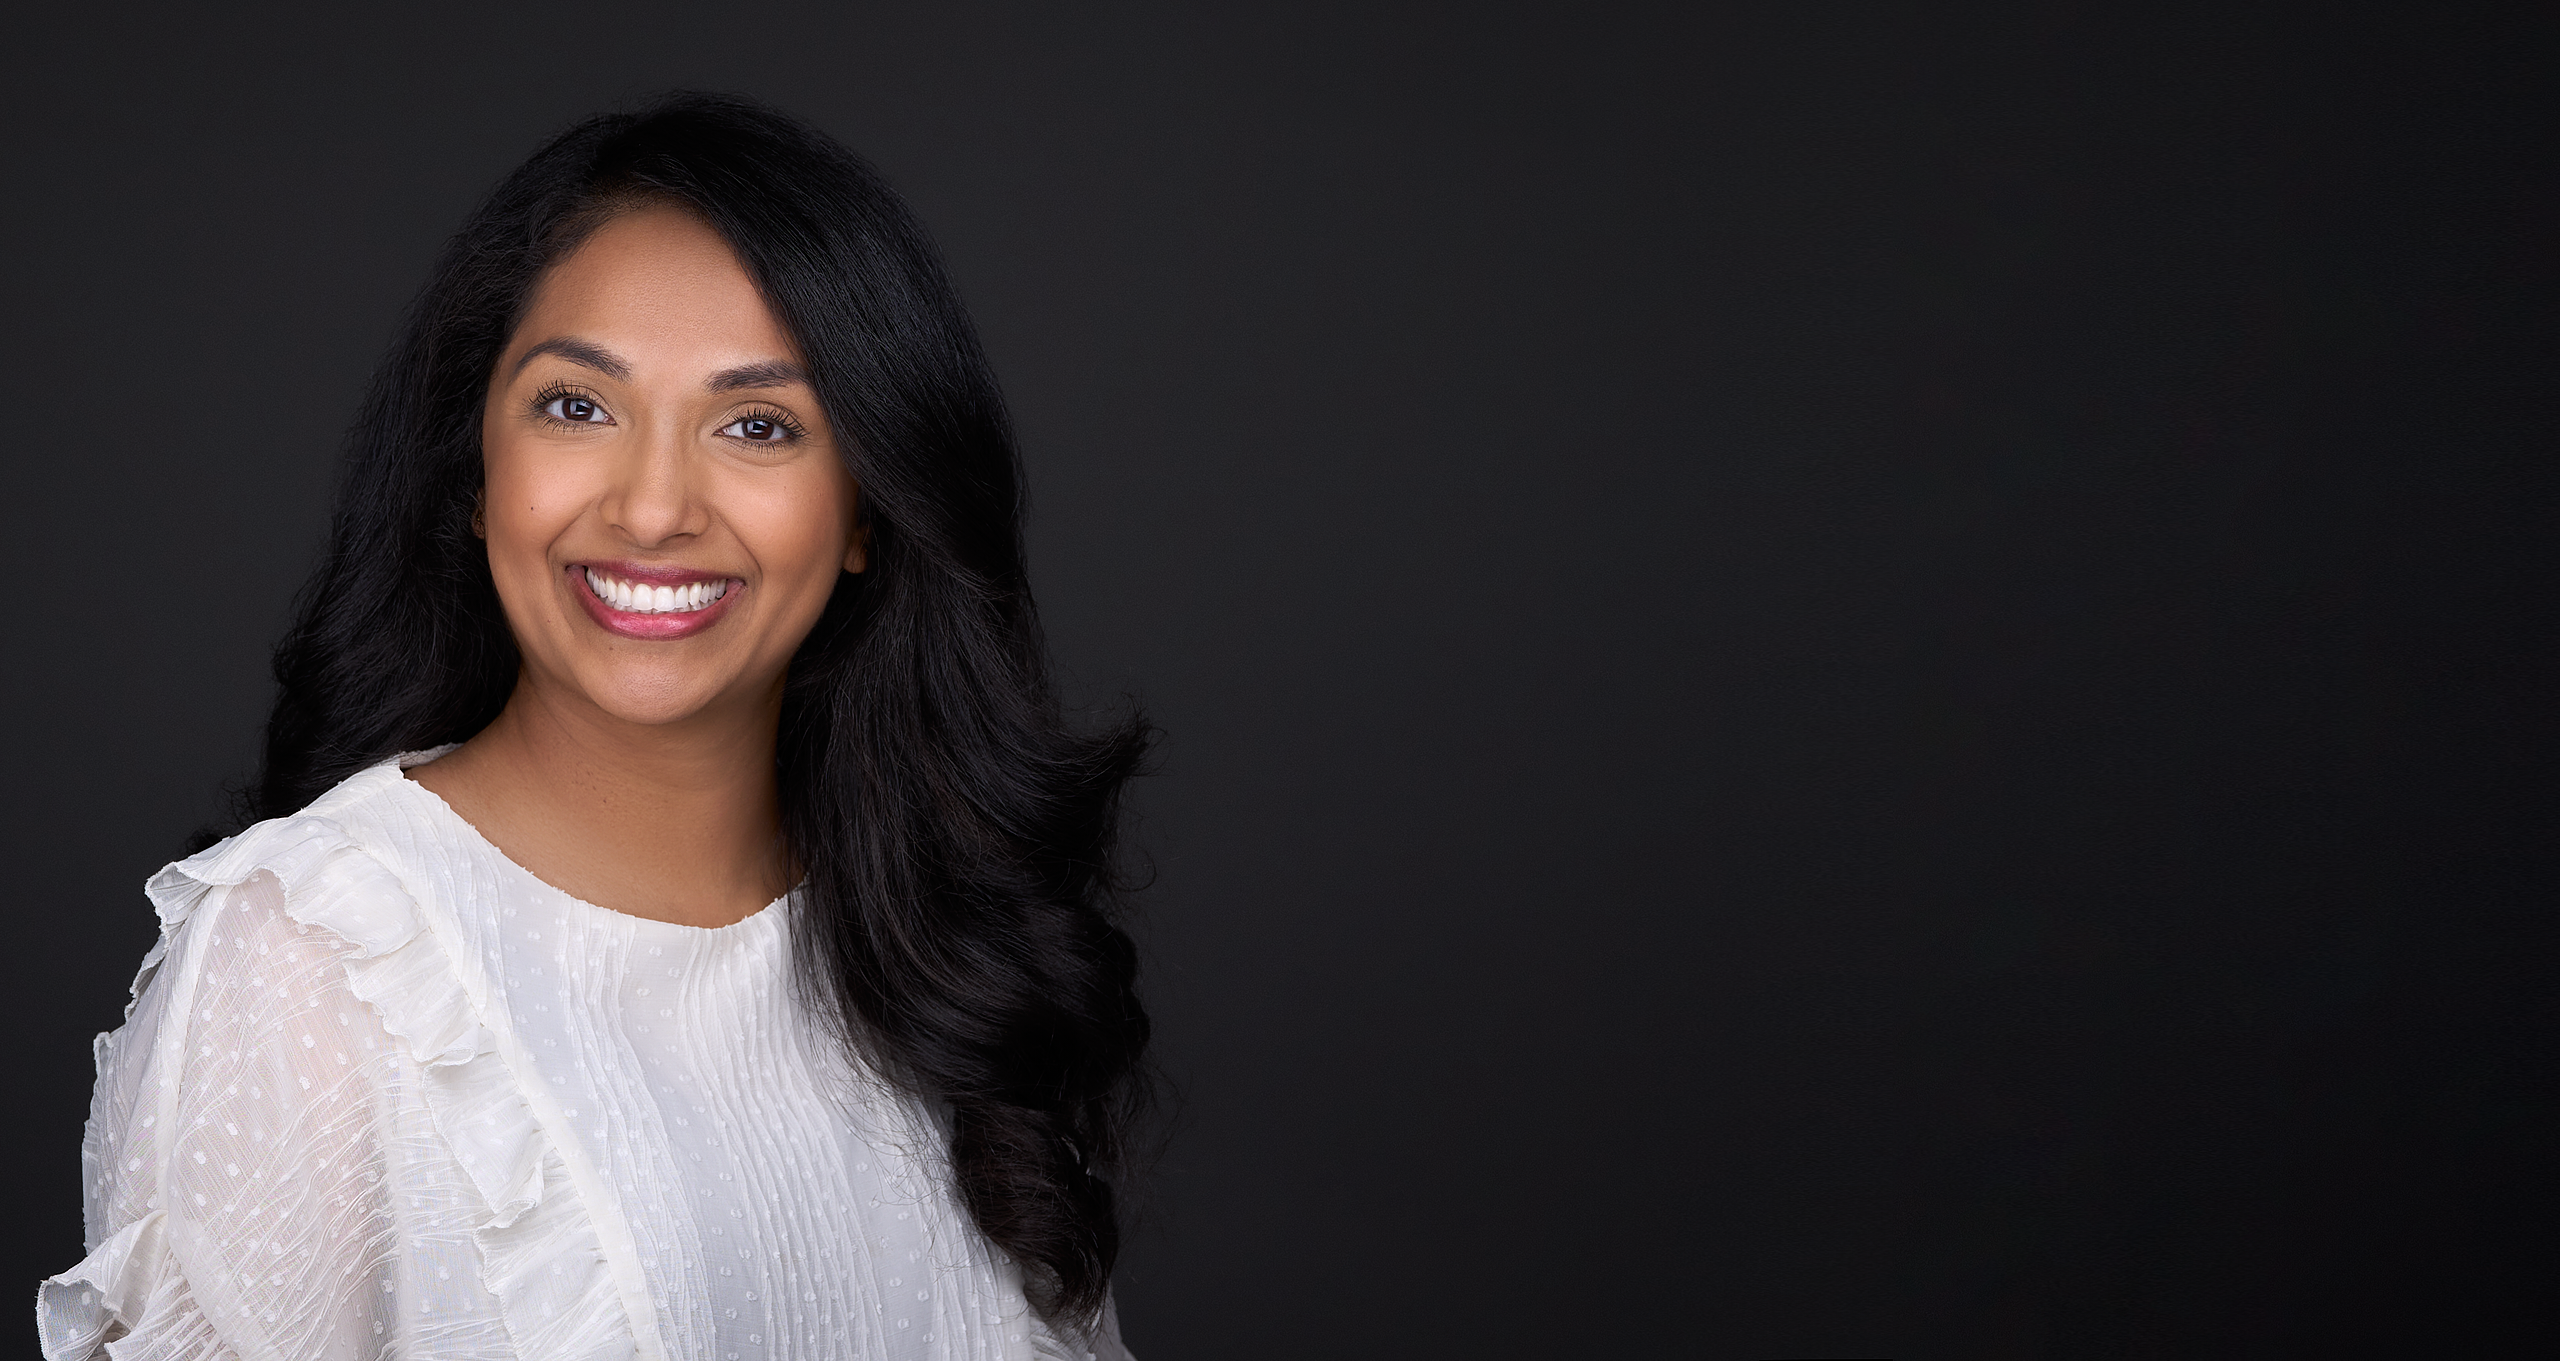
[255, 932]
[317, 870]
[312, 905]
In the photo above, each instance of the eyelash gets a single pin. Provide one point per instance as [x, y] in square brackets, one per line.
[542, 403]
[791, 429]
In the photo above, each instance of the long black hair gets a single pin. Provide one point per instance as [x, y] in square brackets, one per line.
[955, 831]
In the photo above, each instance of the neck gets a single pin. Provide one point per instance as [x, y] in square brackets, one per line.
[676, 822]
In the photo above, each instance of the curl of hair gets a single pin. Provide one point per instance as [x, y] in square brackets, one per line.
[955, 832]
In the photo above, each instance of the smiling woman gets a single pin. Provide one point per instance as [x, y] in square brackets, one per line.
[667, 513]
[671, 921]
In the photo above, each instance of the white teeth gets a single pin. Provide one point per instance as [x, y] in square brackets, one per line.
[633, 598]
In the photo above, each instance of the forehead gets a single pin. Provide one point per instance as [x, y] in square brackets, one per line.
[659, 286]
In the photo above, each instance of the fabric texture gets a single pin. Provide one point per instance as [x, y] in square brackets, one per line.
[383, 1093]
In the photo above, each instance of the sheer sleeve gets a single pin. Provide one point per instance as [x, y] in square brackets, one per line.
[1101, 1342]
[236, 1195]
[1107, 1345]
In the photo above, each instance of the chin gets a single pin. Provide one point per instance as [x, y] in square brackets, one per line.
[651, 699]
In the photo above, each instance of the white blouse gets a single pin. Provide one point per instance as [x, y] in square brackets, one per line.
[383, 1093]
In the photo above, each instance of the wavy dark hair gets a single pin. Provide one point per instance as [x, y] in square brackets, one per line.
[955, 831]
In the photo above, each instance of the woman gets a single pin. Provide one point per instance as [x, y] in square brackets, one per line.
[739, 986]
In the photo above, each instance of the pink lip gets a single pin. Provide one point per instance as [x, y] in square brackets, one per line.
[651, 627]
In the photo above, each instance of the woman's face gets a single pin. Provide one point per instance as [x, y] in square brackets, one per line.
[667, 510]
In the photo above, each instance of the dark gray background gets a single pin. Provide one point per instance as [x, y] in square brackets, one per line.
[1843, 680]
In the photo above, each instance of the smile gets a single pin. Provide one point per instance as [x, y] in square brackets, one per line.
[653, 604]
[641, 598]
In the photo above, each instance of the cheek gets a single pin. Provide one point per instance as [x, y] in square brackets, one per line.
[525, 508]
[798, 529]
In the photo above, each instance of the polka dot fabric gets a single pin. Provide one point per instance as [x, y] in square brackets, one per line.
[383, 1093]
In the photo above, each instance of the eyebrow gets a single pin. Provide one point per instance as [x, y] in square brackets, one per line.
[577, 351]
[770, 373]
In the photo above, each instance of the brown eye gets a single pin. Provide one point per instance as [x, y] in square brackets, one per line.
[575, 410]
[756, 430]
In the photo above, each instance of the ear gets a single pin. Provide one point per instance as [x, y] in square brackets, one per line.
[480, 514]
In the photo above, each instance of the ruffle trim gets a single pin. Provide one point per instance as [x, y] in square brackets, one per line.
[106, 1295]
[539, 1250]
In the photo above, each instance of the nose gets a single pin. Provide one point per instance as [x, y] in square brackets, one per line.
[653, 500]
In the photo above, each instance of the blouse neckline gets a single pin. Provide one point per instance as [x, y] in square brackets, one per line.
[433, 804]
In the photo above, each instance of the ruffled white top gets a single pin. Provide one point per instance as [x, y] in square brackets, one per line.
[383, 1093]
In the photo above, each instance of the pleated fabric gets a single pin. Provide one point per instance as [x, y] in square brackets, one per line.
[383, 1093]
